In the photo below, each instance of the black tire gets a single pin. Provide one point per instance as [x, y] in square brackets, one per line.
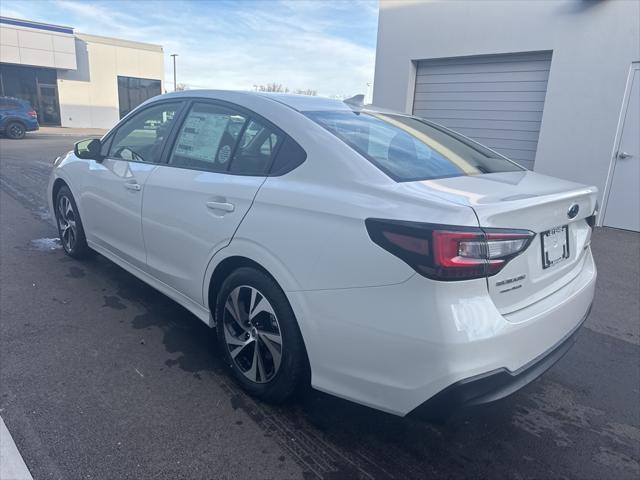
[15, 130]
[70, 228]
[279, 382]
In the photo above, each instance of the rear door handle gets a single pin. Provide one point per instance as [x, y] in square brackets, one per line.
[133, 186]
[224, 206]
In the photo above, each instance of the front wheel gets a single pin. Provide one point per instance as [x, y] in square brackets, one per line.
[69, 224]
[259, 336]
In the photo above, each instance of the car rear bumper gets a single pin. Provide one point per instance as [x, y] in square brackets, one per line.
[495, 385]
[394, 347]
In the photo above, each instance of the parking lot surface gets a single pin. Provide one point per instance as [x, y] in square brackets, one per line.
[102, 377]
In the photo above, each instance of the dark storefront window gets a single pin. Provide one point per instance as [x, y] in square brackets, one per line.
[36, 85]
[133, 91]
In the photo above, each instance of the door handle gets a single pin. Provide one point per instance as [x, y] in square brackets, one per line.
[623, 155]
[224, 206]
[133, 186]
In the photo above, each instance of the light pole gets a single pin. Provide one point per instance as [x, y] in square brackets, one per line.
[175, 84]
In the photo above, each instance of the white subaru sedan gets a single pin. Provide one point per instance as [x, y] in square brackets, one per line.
[382, 257]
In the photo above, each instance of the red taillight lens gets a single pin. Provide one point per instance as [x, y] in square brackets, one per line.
[33, 113]
[449, 263]
[445, 252]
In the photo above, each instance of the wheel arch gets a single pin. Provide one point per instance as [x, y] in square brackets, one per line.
[223, 269]
[11, 120]
[57, 185]
[228, 265]
[244, 252]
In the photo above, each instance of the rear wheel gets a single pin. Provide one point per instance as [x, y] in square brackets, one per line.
[259, 336]
[69, 224]
[15, 130]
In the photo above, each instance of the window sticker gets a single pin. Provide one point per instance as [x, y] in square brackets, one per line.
[201, 135]
[224, 154]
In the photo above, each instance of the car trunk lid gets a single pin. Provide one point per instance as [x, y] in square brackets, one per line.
[530, 201]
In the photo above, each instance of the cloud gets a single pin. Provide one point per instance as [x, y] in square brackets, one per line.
[326, 46]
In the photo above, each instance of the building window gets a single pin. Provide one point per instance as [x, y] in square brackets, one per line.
[38, 86]
[133, 91]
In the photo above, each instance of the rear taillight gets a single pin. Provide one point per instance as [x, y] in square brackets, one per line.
[445, 252]
[33, 114]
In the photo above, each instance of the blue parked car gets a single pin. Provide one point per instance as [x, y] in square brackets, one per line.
[17, 117]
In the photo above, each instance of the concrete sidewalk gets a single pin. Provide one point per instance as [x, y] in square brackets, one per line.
[71, 132]
[12, 467]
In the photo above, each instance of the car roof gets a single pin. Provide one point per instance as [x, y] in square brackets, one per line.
[15, 99]
[301, 103]
[305, 103]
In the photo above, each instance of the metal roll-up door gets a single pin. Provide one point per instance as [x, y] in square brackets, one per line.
[494, 99]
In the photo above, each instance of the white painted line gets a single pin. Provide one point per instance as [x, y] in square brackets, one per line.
[12, 467]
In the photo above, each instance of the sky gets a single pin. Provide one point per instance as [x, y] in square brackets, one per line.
[323, 45]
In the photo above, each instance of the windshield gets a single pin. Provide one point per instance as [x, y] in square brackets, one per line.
[410, 149]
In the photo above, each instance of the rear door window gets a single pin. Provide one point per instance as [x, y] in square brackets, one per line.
[257, 147]
[9, 105]
[207, 138]
[290, 156]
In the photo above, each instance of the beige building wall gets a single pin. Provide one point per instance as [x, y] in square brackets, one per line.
[89, 95]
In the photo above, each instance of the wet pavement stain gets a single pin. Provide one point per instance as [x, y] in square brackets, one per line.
[75, 272]
[61, 301]
[112, 301]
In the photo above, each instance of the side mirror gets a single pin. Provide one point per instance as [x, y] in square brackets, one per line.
[88, 149]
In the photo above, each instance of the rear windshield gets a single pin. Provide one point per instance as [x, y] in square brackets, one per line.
[408, 148]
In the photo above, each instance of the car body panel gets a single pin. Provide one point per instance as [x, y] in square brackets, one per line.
[181, 230]
[112, 209]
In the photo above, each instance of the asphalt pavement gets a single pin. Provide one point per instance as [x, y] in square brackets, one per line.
[102, 377]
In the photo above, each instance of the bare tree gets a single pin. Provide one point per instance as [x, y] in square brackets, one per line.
[272, 87]
[279, 88]
[306, 91]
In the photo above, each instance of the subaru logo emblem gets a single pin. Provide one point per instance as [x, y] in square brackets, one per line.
[573, 210]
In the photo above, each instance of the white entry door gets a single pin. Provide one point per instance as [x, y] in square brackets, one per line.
[623, 205]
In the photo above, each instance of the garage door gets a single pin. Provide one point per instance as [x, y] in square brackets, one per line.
[494, 99]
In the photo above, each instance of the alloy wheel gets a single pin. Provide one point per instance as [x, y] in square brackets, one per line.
[252, 334]
[15, 130]
[67, 223]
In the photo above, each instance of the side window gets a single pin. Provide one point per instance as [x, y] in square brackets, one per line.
[207, 138]
[257, 146]
[290, 156]
[141, 137]
[8, 105]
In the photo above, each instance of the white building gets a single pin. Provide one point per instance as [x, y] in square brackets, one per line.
[551, 84]
[74, 79]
